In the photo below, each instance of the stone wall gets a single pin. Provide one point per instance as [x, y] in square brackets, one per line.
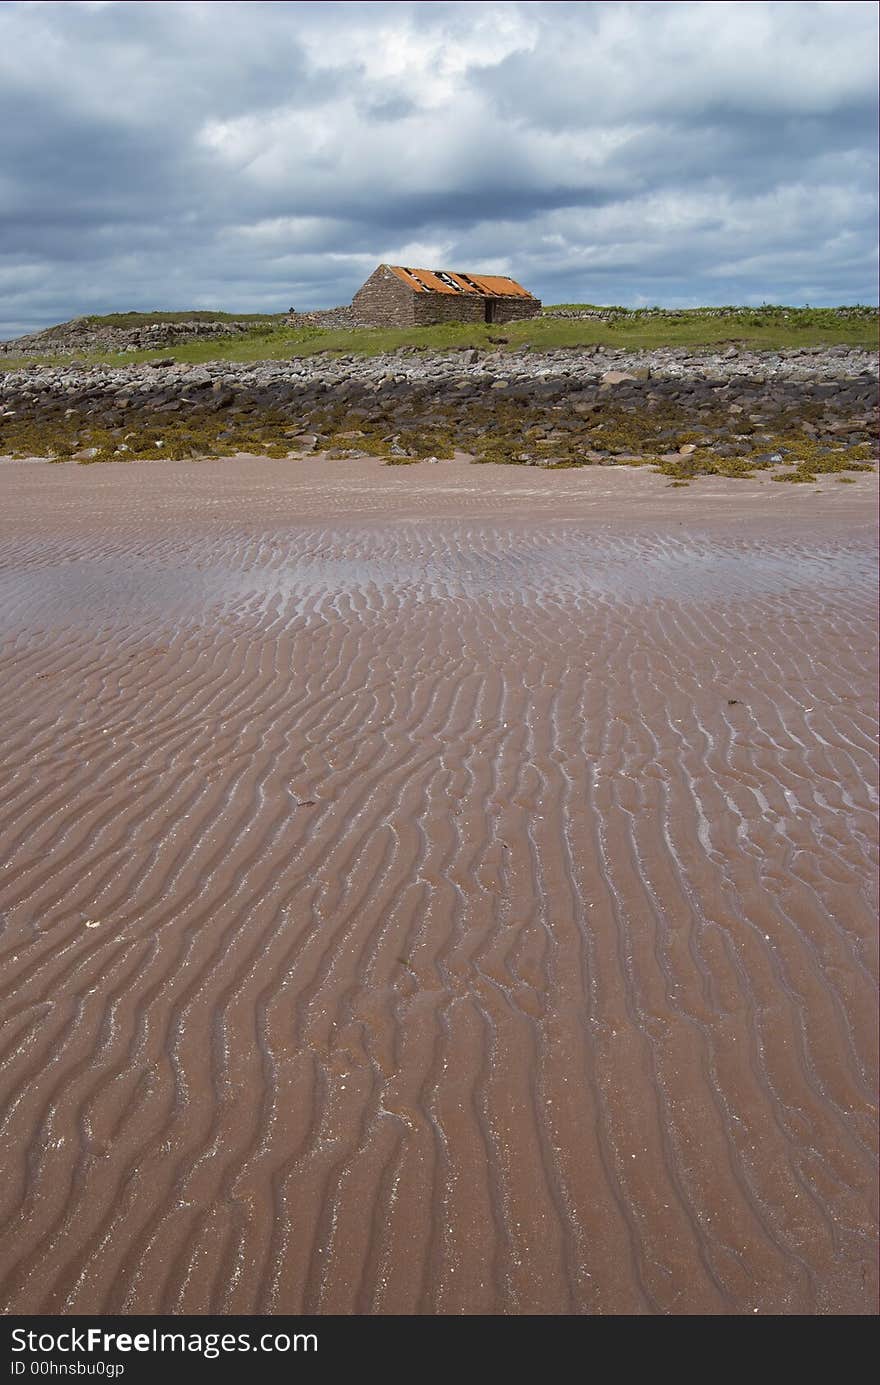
[429, 308]
[84, 334]
[384, 301]
[335, 318]
[513, 309]
[443, 307]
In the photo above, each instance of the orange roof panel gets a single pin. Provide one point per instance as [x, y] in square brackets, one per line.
[500, 286]
[449, 281]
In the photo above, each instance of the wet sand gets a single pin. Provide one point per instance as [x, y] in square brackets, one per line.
[436, 889]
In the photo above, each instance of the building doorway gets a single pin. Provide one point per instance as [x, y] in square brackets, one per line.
[489, 307]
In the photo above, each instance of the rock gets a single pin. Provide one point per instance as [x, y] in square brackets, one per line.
[563, 394]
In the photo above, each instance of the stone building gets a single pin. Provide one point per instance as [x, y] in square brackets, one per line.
[397, 297]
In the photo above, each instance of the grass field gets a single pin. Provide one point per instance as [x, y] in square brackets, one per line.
[767, 328]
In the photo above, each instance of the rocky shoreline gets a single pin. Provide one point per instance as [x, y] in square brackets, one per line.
[723, 411]
[414, 363]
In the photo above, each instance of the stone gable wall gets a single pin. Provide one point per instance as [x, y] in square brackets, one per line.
[384, 301]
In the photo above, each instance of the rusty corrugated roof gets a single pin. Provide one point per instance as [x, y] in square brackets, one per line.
[448, 281]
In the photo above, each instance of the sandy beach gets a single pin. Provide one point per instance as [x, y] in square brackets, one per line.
[436, 889]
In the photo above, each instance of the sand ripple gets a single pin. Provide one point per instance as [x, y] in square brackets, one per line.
[460, 917]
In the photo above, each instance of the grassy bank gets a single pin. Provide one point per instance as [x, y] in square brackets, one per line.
[767, 328]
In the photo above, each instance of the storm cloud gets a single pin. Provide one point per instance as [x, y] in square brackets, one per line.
[256, 156]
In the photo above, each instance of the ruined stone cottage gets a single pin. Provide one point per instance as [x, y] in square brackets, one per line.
[395, 296]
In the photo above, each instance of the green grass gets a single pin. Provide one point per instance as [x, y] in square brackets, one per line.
[767, 328]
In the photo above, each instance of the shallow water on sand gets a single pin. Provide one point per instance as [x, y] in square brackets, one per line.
[63, 581]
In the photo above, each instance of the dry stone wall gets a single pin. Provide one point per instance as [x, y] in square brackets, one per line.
[83, 334]
[341, 318]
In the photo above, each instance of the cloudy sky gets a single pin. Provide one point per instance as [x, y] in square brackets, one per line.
[255, 156]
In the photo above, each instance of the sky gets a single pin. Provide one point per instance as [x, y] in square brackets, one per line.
[258, 156]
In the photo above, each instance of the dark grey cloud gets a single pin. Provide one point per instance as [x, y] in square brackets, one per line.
[250, 156]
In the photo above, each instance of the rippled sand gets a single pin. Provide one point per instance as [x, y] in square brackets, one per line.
[438, 891]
